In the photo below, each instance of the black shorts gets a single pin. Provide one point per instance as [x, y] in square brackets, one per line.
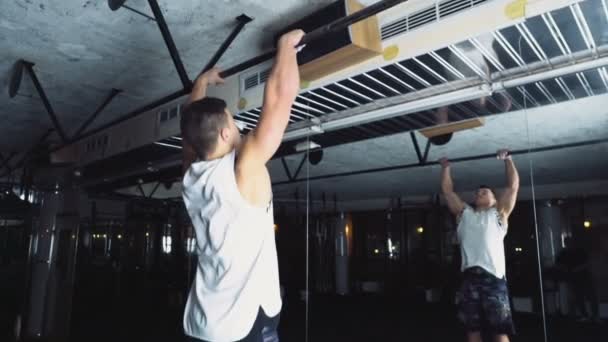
[264, 330]
[483, 303]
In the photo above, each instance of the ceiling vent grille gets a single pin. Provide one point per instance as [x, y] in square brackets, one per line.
[256, 79]
[427, 16]
[169, 114]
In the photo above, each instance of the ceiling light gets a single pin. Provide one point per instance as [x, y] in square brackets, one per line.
[587, 224]
[420, 230]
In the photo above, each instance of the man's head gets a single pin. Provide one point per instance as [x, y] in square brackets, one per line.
[209, 128]
[484, 197]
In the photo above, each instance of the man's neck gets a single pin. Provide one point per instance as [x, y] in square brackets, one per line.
[220, 153]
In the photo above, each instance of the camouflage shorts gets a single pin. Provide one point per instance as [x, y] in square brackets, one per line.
[483, 303]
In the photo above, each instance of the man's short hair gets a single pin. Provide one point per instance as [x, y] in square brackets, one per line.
[201, 123]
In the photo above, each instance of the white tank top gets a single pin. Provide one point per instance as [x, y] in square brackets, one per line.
[481, 236]
[237, 270]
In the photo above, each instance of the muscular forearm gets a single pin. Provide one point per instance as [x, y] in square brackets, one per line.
[512, 174]
[447, 186]
[199, 89]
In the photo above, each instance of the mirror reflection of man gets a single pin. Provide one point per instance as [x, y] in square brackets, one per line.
[574, 261]
[484, 298]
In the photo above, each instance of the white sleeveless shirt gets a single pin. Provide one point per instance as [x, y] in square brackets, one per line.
[237, 270]
[481, 236]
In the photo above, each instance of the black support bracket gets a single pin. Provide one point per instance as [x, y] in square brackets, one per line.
[164, 30]
[154, 190]
[422, 159]
[286, 169]
[99, 109]
[30, 69]
[304, 157]
[242, 21]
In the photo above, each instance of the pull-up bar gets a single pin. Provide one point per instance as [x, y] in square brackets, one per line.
[338, 25]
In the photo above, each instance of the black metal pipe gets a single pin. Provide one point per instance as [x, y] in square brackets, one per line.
[416, 146]
[295, 175]
[93, 116]
[286, 169]
[29, 66]
[154, 190]
[455, 160]
[426, 151]
[318, 33]
[242, 21]
[138, 12]
[141, 190]
[164, 30]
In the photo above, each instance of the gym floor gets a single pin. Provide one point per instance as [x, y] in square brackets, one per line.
[143, 315]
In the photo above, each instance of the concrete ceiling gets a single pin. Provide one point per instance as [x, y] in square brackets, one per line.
[82, 49]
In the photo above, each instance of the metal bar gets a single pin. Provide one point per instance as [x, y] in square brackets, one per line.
[545, 92]
[581, 78]
[154, 190]
[523, 30]
[366, 87]
[487, 54]
[242, 21]
[141, 190]
[583, 27]
[468, 61]
[413, 75]
[527, 95]
[416, 147]
[455, 160]
[405, 84]
[319, 33]
[431, 71]
[354, 92]
[604, 76]
[447, 65]
[426, 151]
[301, 112]
[508, 48]
[308, 108]
[560, 82]
[308, 100]
[328, 100]
[381, 83]
[93, 116]
[138, 12]
[286, 169]
[49, 109]
[556, 33]
[341, 96]
[164, 30]
[246, 118]
[304, 157]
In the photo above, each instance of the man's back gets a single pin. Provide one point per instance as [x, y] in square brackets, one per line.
[237, 271]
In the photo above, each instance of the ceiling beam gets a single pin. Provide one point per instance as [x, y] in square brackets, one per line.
[454, 160]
